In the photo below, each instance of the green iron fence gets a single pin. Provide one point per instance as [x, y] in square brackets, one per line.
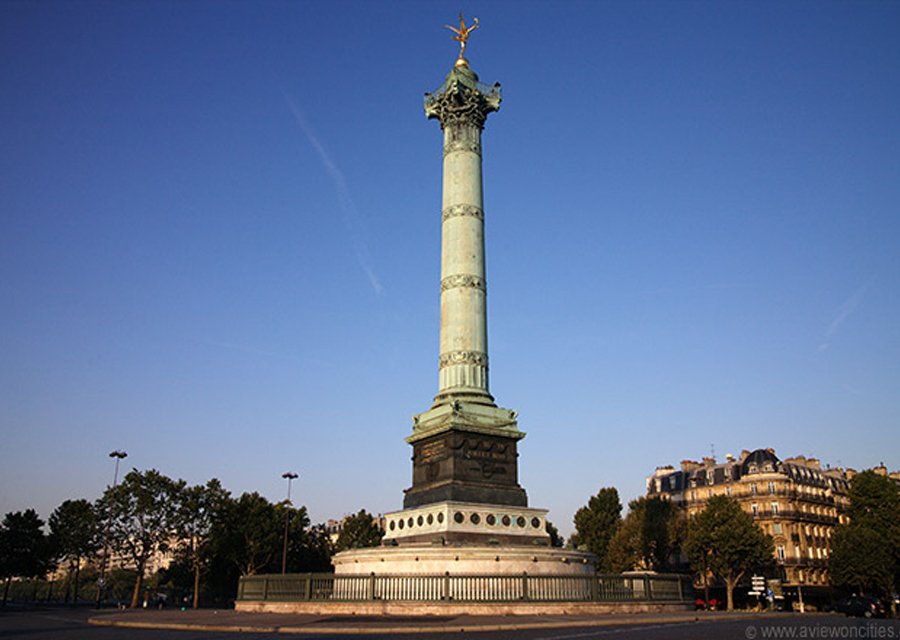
[466, 588]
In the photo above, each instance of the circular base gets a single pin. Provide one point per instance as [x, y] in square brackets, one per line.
[407, 609]
[482, 560]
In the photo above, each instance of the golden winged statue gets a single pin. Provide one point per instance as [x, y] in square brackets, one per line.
[462, 34]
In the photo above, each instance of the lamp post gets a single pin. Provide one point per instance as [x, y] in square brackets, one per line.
[118, 455]
[289, 476]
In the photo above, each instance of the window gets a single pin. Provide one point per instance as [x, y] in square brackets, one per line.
[778, 530]
[728, 491]
[771, 487]
[774, 507]
[755, 509]
[780, 552]
[753, 488]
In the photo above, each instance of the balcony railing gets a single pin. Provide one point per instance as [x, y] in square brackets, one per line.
[817, 563]
[466, 588]
[792, 514]
[765, 494]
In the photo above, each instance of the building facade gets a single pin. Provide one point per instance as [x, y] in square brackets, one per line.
[795, 501]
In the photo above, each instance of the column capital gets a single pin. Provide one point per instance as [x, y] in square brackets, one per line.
[462, 100]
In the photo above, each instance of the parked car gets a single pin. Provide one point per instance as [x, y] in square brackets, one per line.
[701, 604]
[860, 606]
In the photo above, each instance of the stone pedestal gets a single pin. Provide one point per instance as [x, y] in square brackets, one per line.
[465, 452]
[467, 523]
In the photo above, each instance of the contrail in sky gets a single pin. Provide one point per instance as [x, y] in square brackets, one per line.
[846, 309]
[349, 213]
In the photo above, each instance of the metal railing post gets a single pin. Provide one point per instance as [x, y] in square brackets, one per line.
[445, 595]
[647, 594]
[265, 588]
[524, 585]
[307, 587]
[372, 586]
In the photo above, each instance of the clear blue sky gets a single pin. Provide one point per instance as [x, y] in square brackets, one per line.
[220, 225]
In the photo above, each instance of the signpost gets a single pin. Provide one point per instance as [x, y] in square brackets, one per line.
[759, 585]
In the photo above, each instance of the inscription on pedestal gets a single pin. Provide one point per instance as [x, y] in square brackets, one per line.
[468, 467]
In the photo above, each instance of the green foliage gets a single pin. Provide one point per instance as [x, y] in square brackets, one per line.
[860, 560]
[597, 523]
[249, 534]
[26, 552]
[200, 507]
[248, 539]
[359, 531]
[143, 517]
[310, 549]
[75, 534]
[865, 554]
[24, 549]
[556, 540]
[724, 540]
[649, 535]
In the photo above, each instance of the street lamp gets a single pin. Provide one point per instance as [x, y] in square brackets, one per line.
[289, 476]
[118, 455]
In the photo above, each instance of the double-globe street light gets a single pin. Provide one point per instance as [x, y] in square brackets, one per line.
[289, 476]
[101, 581]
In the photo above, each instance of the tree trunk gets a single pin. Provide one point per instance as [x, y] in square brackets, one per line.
[195, 556]
[138, 583]
[729, 588]
[705, 586]
[196, 602]
[77, 573]
[6, 589]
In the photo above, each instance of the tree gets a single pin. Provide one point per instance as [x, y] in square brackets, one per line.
[597, 523]
[556, 540]
[724, 540]
[142, 514]
[860, 560]
[311, 548]
[249, 534]
[865, 554]
[24, 549]
[200, 506]
[649, 535]
[74, 535]
[360, 530]
[247, 539]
